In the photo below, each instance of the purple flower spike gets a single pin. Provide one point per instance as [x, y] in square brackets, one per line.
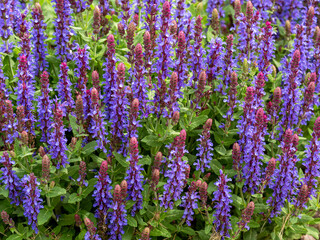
[44, 108]
[139, 86]
[222, 200]
[25, 90]
[64, 88]
[119, 112]
[176, 172]
[63, 29]
[58, 141]
[253, 152]
[110, 75]
[38, 38]
[10, 179]
[284, 181]
[190, 201]
[81, 58]
[102, 193]
[6, 24]
[32, 203]
[98, 127]
[134, 177]
[205, 149]
[9, 125]
[181, 63]
[117, 217]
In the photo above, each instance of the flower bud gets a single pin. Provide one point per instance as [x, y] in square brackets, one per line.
[42, 152]
[103, 169]
[277, 96]
[24, 138]
[90, 226]
[247, 214]
[155, 178]
[249, 95]
[12, 154]
[236, 156]
[145, 234]
[79, 107]
[94, 96]
[288, 137]
[96, 80]
[117, 193]
[73, 142]
[77, 220]
[96, 20]
[187, 171]
[303, 195]
[309, 93]
[124, 189]
[173, 28]
[6, 219]
[203, 193]
[215, 24]
[316, 127]
[157, 160]
[136, 19]
[249, 11]
[245, 67]
[52, 184]
[82, 172]
[274, 71]
[121, 29]
[270, 169]
[316, 33]
[288, 28]
[46, 168]
[202, 81]
[237, 8]
[175, 118]
[234, 80]
[260, 82]
[310, 15]
[295, 60]
[206, 177]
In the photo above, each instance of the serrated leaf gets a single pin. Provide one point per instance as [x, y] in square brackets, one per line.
[131, 221]
[188, 231]
[215, 166]
[56, 191]
[74, 125]
[121, 159]
[44, 216]
[160, 231]
[221, 150]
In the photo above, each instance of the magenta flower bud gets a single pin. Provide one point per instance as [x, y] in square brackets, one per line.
[82, 174]
[130, 37]
[309, 93]
[7, 220]
[129, 93]
[94, 96]
[261, 118]
[124, 189]
[96, 80]
[117, 197]
[295, 140]
[73, 142]
[157, 161]
[316, 34]
[270, 170]
[148, 52]
[174, 29]
[277, 96]
[249, 11]
[303, 196]
[46, 168]
[155, 179]
[234, 80]
[187, 172]
[316, 127]
[237, 8]
[288, 137]
[96, 20]
[79, 108]
[246, 216]
[310, 15]
[42, 151]
[121, 29]
[249, 95]
[121, 72]
[295, 62]
[24, 138]
[136, 19]
[145, 235]
[236, 154]
[175, 118]
[260, 82]
[77, 220]
[90, 226]
[133, 119]
[166, 10]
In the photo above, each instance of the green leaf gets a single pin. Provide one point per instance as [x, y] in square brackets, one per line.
[4, 192]
[44, 216]
[313, 232]
[221, 150]
[197, 121]
[160, 231]
[14, 237]
[89, 188]
[131, 221]
[253, 224]
[55, 192]
[215, 166]
[128, 232]
[152, 141]
[251, 234]
[237, 201]
[89, 148]
[74, 125]
[66, 219]
[188, 231]
[121, 159]
[145, 161]
[73, 198]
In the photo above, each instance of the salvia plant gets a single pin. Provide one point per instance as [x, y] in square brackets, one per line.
[172, 119]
